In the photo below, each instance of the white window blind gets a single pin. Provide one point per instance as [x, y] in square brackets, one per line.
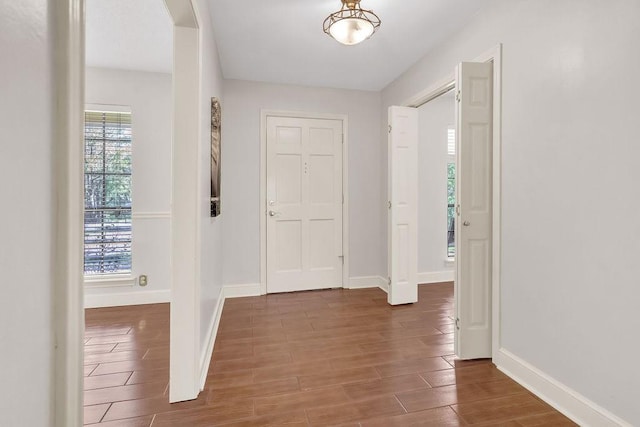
[107, 193]
[451, 191]
[451, 141]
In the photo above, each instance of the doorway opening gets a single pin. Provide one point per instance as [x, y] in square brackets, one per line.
[436, 189]
[69, 295]
[127, 203]
[477, 206]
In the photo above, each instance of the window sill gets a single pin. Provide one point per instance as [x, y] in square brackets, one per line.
[109, 280]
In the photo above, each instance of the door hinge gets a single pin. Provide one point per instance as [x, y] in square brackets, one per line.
[389, 204]
[389, 281]
[342, 258]
[458, 210]
[458, 96]
[389, 128]
[457, 323]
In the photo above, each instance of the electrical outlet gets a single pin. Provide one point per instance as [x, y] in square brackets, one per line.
[142, 280]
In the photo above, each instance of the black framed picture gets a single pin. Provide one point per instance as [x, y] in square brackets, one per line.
[215, 156]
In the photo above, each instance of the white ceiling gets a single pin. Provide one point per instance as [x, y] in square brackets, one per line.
[282, 40]
[129, 34]
[279, 41]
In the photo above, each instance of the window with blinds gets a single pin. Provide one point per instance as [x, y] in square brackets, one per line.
[451, 192]
[107, 193]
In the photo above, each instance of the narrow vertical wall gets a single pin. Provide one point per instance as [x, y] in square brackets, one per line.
[196, 238]
[28, 213]
[210, 228]
[185, 253]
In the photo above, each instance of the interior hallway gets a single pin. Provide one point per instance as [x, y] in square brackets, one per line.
[335, 357]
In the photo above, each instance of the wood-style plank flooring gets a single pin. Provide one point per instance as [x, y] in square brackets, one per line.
[335, 357]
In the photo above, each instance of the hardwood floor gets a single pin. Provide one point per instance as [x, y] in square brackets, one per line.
[335, 357]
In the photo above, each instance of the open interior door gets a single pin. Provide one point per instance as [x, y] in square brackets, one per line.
[403, 205]
[474, 119]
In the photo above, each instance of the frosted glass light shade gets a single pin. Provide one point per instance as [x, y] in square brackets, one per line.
[351, 24]
[351, 31]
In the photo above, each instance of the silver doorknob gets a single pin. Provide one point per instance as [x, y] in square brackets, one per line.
[466, 223]
[273, 213]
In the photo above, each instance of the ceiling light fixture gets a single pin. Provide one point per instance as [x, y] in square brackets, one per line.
[351, 24]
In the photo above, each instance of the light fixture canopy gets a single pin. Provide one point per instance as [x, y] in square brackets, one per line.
[351, 24]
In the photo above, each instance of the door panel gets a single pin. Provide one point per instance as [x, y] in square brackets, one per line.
[288, 178]
[474, 195]
[321, 185]
[321, 252]
[403, 207]
[304, 204]
[288, 246]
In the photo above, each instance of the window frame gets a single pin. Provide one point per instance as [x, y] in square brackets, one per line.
[451, 160]
[109, 279]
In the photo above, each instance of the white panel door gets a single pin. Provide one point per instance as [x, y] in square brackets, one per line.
[304, 204]
[403, 205]
[474, 197]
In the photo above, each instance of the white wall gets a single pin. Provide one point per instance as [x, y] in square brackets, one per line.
[27, 215]
[570, 240]
[241, 171]
[211, 229]
[435, 118]
[149, 95]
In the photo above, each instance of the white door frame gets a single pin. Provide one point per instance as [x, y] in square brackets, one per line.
[68, 296]
[433, 91]
[68, 293]
[263, 187]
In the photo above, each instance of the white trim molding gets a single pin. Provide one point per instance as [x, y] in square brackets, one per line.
[436, 277]
[227, 291]
[151, 215]
[566, 400]
[207, 352]
[110, 108]
[384, 285]
[68, 314]
[242, 290]
[263, 187]
[365, 282]
[109, 281]
[121, 299]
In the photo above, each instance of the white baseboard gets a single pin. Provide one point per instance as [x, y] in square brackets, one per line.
[364, 282]
[384, 285]
[381, 282]
[205, 357]
[227, 291]
[571, 403]
[436, 277]
[126, 298]
[238, 291]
